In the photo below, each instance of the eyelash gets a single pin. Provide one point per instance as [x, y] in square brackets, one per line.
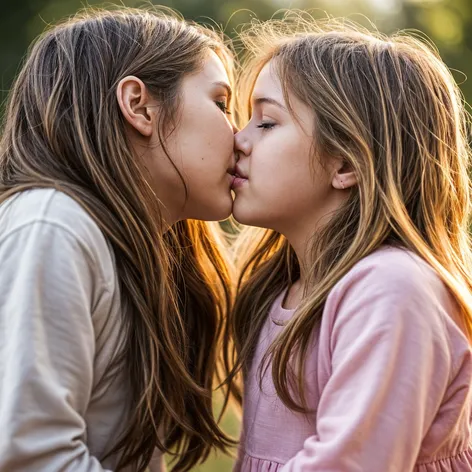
[222, 106]
[266, 125]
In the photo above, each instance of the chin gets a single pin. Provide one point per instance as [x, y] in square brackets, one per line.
[216, 213]
[224, 214]
[245, 216]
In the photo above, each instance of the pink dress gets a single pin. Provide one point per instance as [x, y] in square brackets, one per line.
[388, 377]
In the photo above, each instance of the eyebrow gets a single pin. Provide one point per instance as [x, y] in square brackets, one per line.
[270, 101]
[225, 86]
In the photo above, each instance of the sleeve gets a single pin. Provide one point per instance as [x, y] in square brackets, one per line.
[390, 366]
[47, 347]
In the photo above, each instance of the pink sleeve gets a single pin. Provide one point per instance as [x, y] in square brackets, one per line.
[390, 365]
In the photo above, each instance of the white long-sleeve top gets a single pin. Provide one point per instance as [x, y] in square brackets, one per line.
[60, 320]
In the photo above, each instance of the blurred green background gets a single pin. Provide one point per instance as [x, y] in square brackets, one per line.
[447, 22]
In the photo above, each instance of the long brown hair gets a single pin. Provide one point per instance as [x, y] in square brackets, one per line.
[63, 129]
[389, 107]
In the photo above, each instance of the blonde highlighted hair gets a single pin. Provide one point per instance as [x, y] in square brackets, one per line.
[389, 107]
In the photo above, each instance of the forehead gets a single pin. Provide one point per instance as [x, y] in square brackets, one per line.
[268, 83]
[213, 69]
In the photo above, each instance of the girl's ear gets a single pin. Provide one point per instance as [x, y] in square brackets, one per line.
[344, 176]
[137, 106]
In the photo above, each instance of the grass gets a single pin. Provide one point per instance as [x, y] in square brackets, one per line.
[219, 462]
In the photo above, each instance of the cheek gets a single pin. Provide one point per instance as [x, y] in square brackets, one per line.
[282, 186]
[207, 150]
[219, 133]
[280, 164]
[208, 134]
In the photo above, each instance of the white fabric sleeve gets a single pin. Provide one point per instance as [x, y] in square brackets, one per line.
[47, 347]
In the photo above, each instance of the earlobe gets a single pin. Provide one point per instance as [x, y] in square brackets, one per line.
[135, 104]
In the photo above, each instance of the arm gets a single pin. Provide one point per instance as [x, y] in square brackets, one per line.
[47, 350]
[389, 371]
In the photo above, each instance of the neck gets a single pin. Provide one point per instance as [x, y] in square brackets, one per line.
[300, 236]
[301, 243]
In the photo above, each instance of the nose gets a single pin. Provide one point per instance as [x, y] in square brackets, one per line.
[242, 145]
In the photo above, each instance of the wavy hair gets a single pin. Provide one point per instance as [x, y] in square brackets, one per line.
[389, 107]
[63, 129]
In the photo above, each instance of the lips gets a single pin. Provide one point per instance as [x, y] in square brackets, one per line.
[239, 173]
[239, 178]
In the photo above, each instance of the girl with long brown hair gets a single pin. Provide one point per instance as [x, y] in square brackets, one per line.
[352, 323]
[116, 140]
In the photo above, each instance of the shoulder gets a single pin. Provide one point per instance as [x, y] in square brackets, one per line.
[392, 288]
[47, 206]
[53, 220]
[393, 271]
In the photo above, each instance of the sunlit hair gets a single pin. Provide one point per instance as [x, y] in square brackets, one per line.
[63, 129]
[389, 107]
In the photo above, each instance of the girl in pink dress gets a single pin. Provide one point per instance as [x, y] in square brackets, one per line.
[352, 324]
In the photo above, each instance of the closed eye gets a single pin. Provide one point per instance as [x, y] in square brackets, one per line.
[222, 106]
[266, 125]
